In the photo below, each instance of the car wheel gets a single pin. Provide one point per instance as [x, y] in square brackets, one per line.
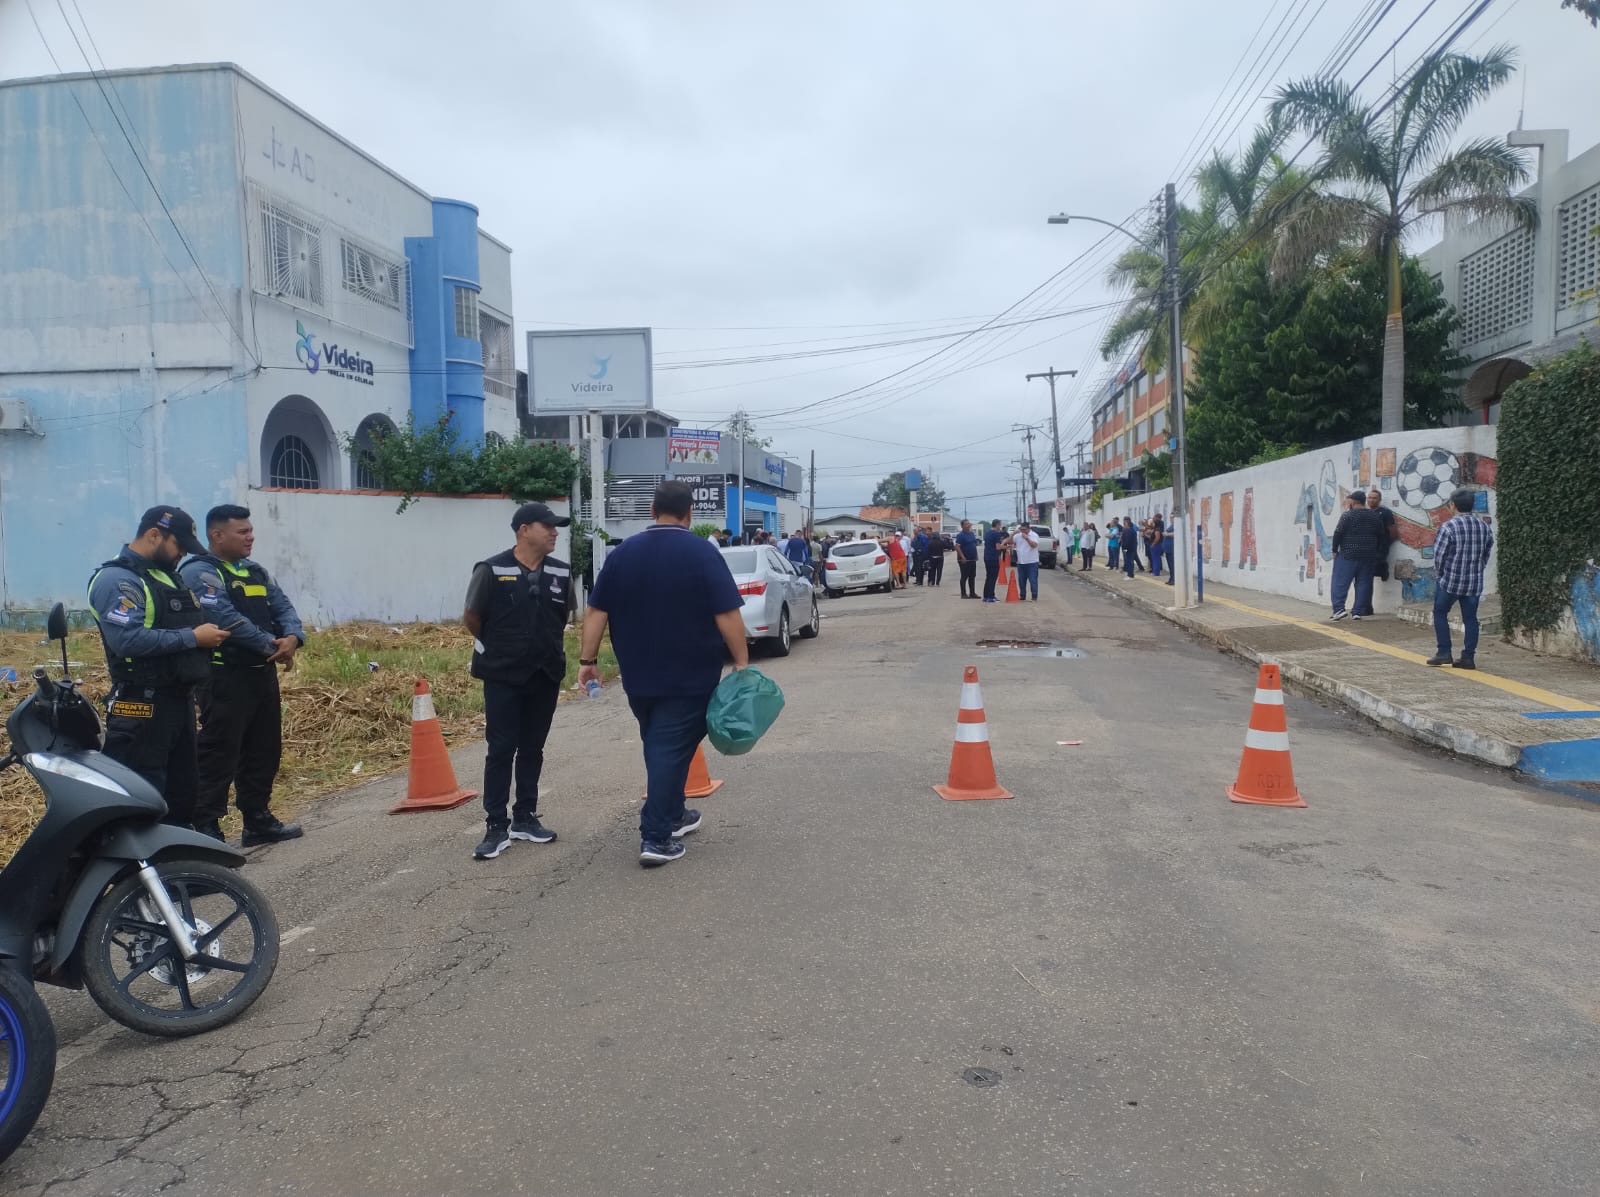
[809, 632]
[781, 645]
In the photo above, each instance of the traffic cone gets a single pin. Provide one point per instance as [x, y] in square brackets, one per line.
[1005, 568]
[1011, 588]
[1265, 775]
[971, 765]
[431, 784]
[699, 784]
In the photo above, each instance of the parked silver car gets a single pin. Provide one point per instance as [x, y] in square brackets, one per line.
[779, 601]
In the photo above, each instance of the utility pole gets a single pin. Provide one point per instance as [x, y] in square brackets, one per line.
[1032, 475]
[597, 489]
[1081, 463]
[739, 431]
[811, 518]
[1180, 476]
[1055, 427]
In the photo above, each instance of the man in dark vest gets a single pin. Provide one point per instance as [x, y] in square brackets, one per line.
[158, 646]
[241, 714]
[517, 608]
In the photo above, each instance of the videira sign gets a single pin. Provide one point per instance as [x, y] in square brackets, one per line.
[694, 446]
[595, 369]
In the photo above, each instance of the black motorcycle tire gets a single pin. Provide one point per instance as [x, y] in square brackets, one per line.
[37, 1038]
[95, 950]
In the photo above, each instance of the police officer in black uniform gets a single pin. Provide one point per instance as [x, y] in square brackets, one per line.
[158, 645]
[518, 603]
[241, 713]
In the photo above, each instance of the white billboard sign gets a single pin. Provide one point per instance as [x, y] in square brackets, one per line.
[594, 369]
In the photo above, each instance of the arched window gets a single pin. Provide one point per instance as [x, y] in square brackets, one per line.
[363, 450]
[298, 448]
[293, 465]
[494, 440]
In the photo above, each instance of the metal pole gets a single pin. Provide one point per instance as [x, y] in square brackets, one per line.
[739, 424]
[1180, 476]
[597, 489]
[811, 518]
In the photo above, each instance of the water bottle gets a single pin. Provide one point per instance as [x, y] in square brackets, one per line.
[592, 688]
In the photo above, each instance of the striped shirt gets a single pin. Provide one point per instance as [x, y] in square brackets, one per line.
[1460, 554]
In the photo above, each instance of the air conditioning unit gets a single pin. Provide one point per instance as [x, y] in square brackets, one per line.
[17, 416]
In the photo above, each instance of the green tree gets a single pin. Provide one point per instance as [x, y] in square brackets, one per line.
[892, 492]
[1585, 8]
[1298, 363]
[1392, 169]
[740, 425]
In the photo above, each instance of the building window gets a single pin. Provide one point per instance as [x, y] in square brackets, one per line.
[493, 440]
[364, 450]
[293, 465]
[499, 356]
[1158, 421]
[467, 313]
[1497, 287]
[372, 276]
[1579, 268]
[292, 252]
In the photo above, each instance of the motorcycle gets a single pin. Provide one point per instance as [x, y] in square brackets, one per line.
[154, 921]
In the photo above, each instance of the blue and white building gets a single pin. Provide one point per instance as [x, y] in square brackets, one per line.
[206, 292]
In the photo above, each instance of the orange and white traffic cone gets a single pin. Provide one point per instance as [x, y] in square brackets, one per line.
[1012, 594]
[700, 784]
[1266, 777]
[431, 784]
[971, 764]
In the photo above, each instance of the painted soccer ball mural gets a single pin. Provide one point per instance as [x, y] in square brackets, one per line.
[1427, 478]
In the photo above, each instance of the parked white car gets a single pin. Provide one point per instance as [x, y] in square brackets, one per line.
[779, 602]
[856, 565]
[1048, 548]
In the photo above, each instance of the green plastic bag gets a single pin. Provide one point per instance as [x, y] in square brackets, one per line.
[743, 706]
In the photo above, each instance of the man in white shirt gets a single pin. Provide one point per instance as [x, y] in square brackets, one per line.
[1026, 546]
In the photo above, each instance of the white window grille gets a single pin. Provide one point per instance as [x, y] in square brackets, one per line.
[1578, 274]
[1497, 287]
[372, 276]
[291, 254]
[494, 440]
[631, 498]
[499, 356]
[467, 313]
[293, 464]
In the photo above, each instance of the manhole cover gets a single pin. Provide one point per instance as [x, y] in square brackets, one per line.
[1031, 648]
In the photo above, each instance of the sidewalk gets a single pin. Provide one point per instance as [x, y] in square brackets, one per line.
[1519, 710]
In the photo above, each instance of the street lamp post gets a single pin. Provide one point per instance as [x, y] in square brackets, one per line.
[1182, 566]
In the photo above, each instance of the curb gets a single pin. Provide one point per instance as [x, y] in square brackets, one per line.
[1436, 733]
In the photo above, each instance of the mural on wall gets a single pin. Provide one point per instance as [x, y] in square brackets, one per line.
[1286, 547]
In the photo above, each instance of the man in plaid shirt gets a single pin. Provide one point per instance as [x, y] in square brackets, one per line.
[1460, 554]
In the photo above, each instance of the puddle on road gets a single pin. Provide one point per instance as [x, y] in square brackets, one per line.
[1031, 648]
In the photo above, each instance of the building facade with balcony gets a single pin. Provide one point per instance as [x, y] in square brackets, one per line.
[1525, 296]
[205, 291]
[1131, 416]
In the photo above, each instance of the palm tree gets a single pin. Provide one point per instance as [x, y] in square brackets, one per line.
[1233, 194]
[1392, 170]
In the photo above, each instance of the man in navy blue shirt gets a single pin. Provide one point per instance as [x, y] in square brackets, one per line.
[672, 606]
[993, 539]
[967, 559]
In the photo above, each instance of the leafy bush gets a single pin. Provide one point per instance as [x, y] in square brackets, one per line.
[431, 460]
[1549, 483]
[705, 530]
[1105, 488]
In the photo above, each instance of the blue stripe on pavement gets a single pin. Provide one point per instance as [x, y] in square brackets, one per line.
[1562, 760]
[1561, 714]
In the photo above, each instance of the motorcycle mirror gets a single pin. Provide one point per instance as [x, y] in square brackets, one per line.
[55, 626]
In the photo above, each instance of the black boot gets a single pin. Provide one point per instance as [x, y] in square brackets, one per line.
[212, 828]
[266, 828]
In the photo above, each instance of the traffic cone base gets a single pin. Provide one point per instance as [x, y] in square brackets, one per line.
[971, 763]
[431, 783]
[700, 783]
[1266, 777]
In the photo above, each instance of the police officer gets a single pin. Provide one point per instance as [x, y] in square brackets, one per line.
[241, 716]
[517, 608]
[158, 645]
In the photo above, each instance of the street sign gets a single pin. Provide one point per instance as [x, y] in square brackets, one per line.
[708, 492]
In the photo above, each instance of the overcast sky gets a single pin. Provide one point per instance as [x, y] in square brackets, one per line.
[754, 180]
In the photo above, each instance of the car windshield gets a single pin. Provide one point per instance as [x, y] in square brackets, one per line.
[1041, 530]
[855, 549]
[740, 561]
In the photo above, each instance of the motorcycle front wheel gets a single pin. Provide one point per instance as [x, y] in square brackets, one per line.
[27, 1058]
[135, 972]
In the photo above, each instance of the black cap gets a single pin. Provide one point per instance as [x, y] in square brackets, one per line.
[176, 521]
[537, 513]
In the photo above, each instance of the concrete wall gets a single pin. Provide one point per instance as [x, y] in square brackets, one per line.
[1577, 634]
[1270, 527]
[344, 557]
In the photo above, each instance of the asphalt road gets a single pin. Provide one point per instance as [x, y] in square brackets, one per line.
[1158, 991]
